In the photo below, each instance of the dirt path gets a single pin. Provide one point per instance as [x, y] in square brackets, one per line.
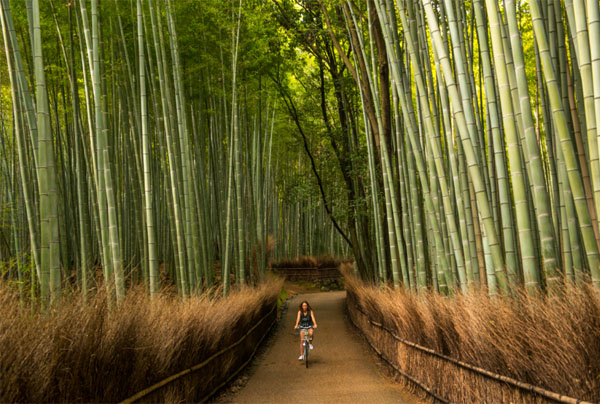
[341, 368]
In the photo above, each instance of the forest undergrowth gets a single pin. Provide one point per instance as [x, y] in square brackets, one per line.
[550, 342]
[97, 352]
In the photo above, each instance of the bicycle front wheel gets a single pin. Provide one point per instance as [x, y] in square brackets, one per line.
[306, 350]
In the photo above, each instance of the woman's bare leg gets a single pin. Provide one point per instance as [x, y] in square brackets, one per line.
[310, 334]
[302, 342]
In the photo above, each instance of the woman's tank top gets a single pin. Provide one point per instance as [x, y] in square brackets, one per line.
[305, 320]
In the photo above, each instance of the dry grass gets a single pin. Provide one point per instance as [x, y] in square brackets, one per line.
[553, 343]
[91, 353]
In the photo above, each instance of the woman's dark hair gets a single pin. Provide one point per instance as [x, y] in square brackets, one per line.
[307, 304]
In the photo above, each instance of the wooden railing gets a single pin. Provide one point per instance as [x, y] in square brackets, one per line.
[403, 354]
[308, 274]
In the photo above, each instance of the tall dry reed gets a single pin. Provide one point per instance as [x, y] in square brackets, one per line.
[551, 342]
[94, 353]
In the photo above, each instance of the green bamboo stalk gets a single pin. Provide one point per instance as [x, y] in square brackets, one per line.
[50, 247]
[235, 127]
[82, 195]
[506, 215]
[106, 204]
[148, 199]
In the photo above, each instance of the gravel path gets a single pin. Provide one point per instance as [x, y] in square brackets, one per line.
[341, 369]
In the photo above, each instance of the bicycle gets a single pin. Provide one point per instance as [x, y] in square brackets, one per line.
[305, 343]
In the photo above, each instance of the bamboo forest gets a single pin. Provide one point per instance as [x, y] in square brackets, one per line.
[176, 176]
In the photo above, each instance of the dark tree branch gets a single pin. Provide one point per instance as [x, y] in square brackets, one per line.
[289, 103]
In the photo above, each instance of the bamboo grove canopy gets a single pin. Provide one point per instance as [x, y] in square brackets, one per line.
[444, 144]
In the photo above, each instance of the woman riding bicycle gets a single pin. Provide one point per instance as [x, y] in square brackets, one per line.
[305, 321]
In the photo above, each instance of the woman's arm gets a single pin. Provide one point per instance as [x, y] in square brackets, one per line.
[297, 319]
[312, 314]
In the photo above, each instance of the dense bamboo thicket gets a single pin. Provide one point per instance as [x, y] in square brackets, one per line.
[443, 144]
[480, 128]
[139, 148]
